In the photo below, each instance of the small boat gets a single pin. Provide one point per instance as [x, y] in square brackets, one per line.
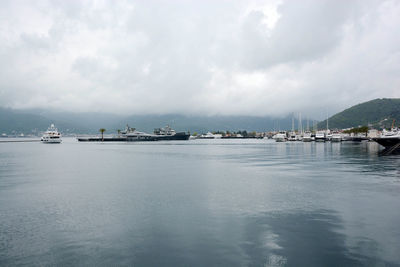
[51, 136]
[280, 137]
[307, 136]
[208, 135]
[336, 137]
[292, 136]
[320, 136]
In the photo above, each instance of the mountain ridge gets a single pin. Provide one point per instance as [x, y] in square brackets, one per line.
[378, 113]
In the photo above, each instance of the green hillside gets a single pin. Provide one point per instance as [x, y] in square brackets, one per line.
[378, 112]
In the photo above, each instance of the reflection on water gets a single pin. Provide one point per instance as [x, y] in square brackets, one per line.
[200, 203]
[305, 239]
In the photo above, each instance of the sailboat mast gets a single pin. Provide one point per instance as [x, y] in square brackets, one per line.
[327, 121]
[300, 124]
[293, 123]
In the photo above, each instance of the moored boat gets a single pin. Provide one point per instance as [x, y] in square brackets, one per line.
[336, 137]
[307, 136]
[132, 135]
[389, 139]
[280, 137]
[208, 135]
[167, 133]
[320, 136]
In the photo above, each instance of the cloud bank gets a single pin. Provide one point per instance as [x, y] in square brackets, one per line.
[198, 57]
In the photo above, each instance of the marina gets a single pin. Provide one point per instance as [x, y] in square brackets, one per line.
[389, 139]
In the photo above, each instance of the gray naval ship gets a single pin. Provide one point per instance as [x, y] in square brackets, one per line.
[132, 135]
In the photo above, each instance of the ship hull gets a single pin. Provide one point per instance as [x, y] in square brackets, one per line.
[51, 141]
[144, 138]
[387, 142]
[177, 136]
[115, 139]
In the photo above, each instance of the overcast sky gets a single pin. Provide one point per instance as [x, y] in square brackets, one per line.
[198, 57]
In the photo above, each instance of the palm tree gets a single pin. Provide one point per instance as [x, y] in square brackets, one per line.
[119, 132]
[102, 130]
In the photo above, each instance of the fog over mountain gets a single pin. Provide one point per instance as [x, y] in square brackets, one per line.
[36, 120]
[253, 58]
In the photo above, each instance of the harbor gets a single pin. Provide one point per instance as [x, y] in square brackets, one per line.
[200, 133]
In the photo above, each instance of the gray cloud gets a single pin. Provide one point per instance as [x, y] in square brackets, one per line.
[207, 57]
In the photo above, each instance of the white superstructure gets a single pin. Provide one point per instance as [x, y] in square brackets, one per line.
[133, 134]
[164, 131]
[393, 133]
[51, 136]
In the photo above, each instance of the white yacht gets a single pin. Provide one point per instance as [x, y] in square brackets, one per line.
[307, 136]
[320, 136]
[292, 136]
[51, 136]
[336, 137]
[208, 135]
[280, 137]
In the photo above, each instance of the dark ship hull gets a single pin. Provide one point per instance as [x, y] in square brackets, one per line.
[117, 139]
[387, 142]
[144, 138]
[177, 136]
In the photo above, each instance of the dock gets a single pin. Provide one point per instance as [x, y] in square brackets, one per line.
[19, 141]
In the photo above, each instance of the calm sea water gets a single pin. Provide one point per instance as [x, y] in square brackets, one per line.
[199, 203]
